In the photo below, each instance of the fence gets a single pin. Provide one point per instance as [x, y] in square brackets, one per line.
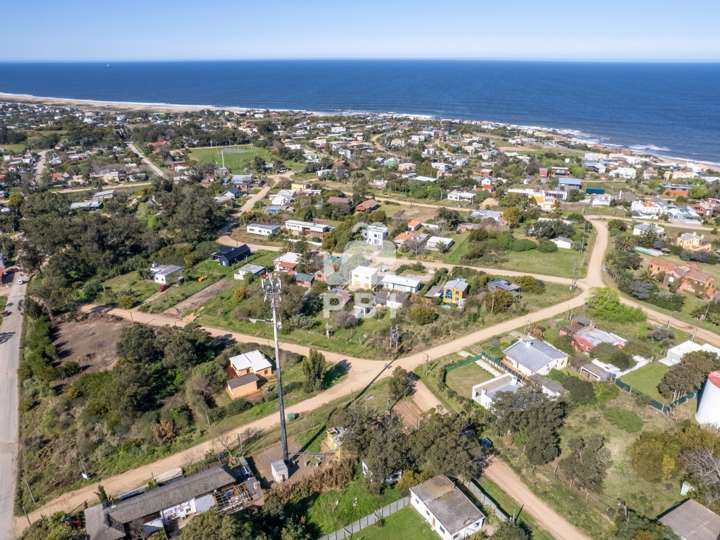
[663, 408]
[368, 520]
[486, 501]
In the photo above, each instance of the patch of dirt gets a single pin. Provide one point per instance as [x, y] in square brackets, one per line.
[302, 464]
[91, 342]
[409, 412]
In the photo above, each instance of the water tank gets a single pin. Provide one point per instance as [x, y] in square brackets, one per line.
[708, 412]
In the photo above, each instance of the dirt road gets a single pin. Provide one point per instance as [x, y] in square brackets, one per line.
[147, 161]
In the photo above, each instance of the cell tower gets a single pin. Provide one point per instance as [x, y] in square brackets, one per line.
[273, 289]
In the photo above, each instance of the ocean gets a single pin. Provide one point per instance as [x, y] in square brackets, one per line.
[670, 109]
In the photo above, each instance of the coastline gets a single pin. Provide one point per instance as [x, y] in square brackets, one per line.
[569, 134]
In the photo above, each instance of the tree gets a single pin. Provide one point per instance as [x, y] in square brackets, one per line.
[605, 304]
[499, 301]
[631, 525]
[401, 384]
[422, 314]
[689, 375]
[512, 217]
[653, 456]
[610, 354]
[587, 463]
[448, 444]
[703, 466]
[314, 368]
[217, 526]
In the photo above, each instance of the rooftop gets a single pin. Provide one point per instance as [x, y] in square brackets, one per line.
[692, 521]
[450, 506]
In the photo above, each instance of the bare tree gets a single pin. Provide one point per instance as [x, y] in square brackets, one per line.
[704, 467]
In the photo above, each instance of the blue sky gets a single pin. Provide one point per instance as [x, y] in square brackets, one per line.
[224, 29]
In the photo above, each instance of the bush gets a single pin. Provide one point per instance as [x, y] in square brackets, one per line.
[237, 406]
[546, 246]
[605, 352]
[623, 419]
[522, 245]
[422, 314]
[605, 305]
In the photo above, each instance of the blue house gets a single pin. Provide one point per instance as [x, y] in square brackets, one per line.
[570, 183]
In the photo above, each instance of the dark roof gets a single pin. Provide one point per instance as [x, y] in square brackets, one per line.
[231, 252]
[237, 382]
[98, 519]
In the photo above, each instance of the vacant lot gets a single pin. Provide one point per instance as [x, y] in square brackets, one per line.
[464, 378]
[646, 379]
[90, 342]
[239, 158]
[404, 524]
[128, 285]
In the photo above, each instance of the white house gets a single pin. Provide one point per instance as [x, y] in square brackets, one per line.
[485, 393]
[675, 354]
[436, 243]
[393, 282]
[249, 270]
[364, 277]
[648, 209]
[304, 228]
[375, 234]
[165, 274]
[461, 196]
[562, 242]
[530, 356]
[283, 198]
[641, 229]
[626, 173]
[448, 511]
[252, 361]
[262, 229]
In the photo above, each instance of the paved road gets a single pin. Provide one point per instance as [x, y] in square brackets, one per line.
[10, 333]
[146, 160]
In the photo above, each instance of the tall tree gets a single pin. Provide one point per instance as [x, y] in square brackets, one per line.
[587, 463]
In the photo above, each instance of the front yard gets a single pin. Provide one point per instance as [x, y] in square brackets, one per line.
[646, 379]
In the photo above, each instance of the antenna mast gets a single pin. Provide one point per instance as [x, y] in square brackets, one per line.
[273, 290]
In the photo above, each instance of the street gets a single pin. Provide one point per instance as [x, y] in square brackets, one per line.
[10, 334]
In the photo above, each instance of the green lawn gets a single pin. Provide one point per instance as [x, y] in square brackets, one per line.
[561, 263]
[404, 524]
[238, 158]
[333, 509]
[646, 379]
[13, 148]
[130, 284]
[464, 378]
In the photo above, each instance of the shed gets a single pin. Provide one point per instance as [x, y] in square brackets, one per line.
[279, 470]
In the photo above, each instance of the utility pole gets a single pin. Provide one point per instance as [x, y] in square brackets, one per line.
[273, 290]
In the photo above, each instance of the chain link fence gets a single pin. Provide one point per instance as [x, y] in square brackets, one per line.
[368, 520]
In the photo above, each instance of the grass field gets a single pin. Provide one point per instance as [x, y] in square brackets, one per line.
[130, 284]
[561, 263]
[13, 148]
[464, 378]
[238, 158]
[646, 379]
[404, 524]
[333, 509]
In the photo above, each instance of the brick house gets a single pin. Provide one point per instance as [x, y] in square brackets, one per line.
[684, 277]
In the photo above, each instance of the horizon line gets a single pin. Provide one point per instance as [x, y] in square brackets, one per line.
[366, 59]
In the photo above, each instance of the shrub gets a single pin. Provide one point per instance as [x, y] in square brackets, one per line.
[623, 419]
[546, 246]
[605, 304]
[422, 314]
[605, 352]
[522, 245]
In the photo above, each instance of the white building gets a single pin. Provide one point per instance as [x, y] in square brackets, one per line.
[648, 209]
[461, 196]
[364, 277]
[249, 270]
[486, 392]
[448, 511]
[393, 282]
[252, 361]
[626, 173]
[436, 243]
[303, 228]
[562, 242]
[283, 198]
[262, 229]
[532, 356]
[165, 274]
[641, 229]
[675, 354]
[375, 234]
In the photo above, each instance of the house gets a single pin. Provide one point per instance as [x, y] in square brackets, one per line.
[641, 229]
[249, 270]
[227, 256]
[392, 299]
[692, 521]
[341, 203]
[393, 282]
[448, 511]
[691, 241]
[375, 234]
[486, 392]
[461, 196]
[648, 209]
[410, 238]
[414, 225]
[625, 173]
[88, 205]
[287, 262]
[304, 280]
[364, 277]
[562, 242]
[261, 229]
[439, 243]
[683, 277]
[154, 510]
[595, 373]
[455, 291]
[590, 337]
[675, 354]
[529, 356]
[367, 206]
[503, 285]
[488, 215]
[166, 274]
[674, 191]
[245, 373]
[283, 198]
[552, 389]
[307, 228]
[570, 183]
